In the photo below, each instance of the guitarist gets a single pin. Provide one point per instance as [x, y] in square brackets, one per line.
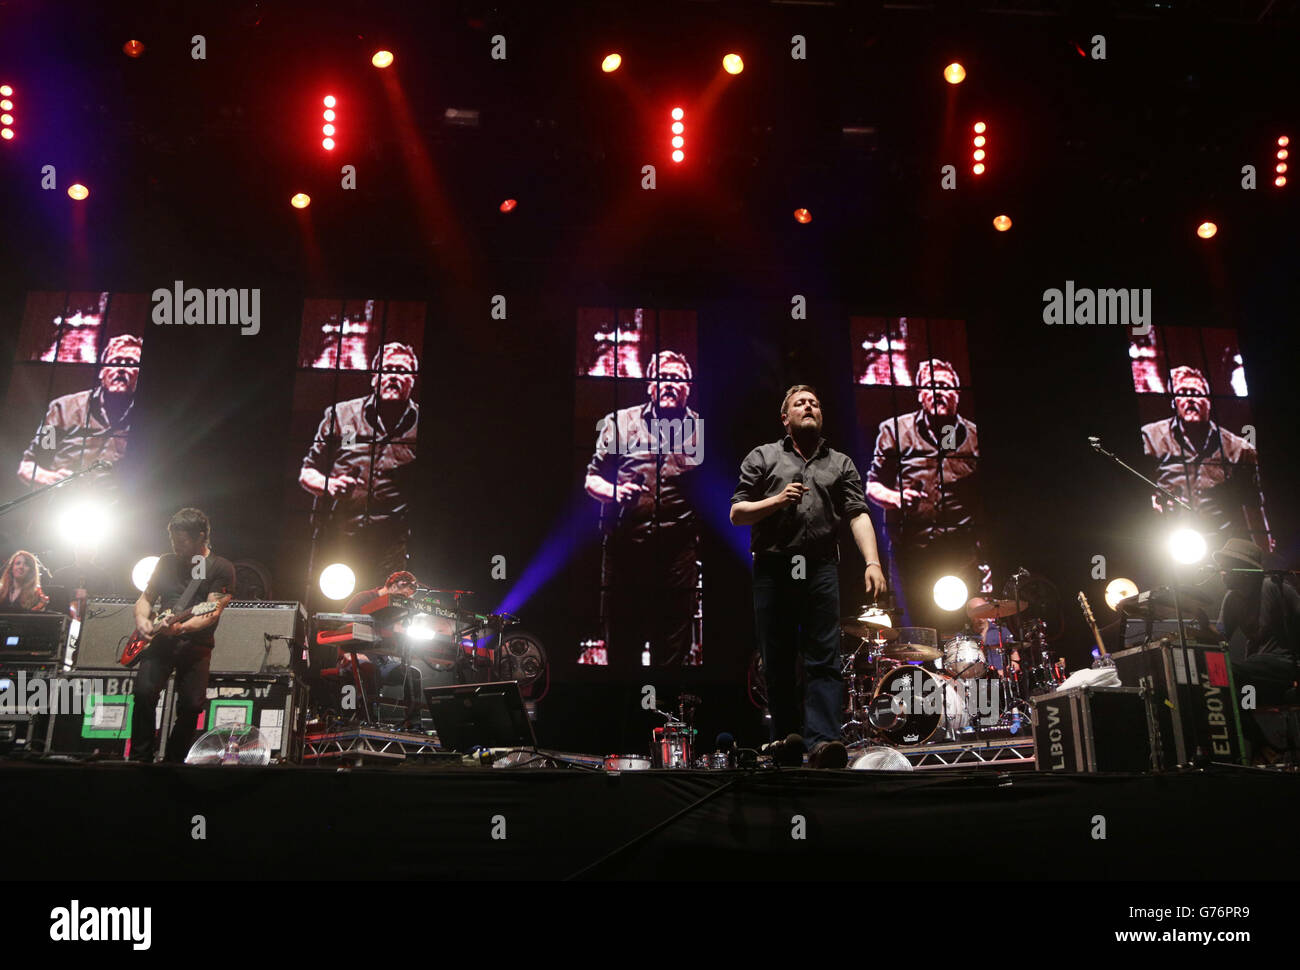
[185, 577]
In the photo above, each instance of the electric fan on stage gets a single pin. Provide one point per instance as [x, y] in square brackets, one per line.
[239, 744]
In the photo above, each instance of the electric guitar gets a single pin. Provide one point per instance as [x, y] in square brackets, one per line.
[1103, 660]
[135, 646]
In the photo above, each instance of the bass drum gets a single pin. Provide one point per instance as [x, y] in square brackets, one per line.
[912, 705]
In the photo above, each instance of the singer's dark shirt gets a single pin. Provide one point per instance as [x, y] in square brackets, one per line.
[907, 455]
[1259, 617]
[637, 445]
[382, 458]
[811, 527]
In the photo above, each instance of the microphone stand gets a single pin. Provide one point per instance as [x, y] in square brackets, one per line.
[1201, 756]
[23, 499]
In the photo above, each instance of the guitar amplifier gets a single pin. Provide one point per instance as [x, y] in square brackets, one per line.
[275, 704]
[108, 624]
[260, 636]
[1091, 729]
[32, 638]
[1183, 707]
[241, 635]
[89, 713]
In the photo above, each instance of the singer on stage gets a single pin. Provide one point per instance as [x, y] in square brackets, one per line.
[794, 493]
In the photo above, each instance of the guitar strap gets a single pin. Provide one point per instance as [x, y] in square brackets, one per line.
[187, 597]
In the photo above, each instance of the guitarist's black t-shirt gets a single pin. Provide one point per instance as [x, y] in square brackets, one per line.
[171, 578]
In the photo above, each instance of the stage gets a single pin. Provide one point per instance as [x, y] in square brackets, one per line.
[114, 821]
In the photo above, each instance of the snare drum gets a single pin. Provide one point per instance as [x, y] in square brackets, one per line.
[963, 657]
[913, 705]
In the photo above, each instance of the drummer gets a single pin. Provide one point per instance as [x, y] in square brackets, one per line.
[993, 634]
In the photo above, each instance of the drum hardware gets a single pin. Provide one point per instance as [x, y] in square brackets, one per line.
[673, 745]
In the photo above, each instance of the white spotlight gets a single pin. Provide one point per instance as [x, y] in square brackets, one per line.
[85, 523]
[950, 593]
[142, 571]
[420, 627]
[1187, 546]
[1119, 589]
[337, 581]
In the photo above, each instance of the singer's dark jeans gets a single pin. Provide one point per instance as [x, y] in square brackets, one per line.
[191, 662]
[796, 618]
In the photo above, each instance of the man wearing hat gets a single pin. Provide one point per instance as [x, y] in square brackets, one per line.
[1260, 618]
[1211, 469]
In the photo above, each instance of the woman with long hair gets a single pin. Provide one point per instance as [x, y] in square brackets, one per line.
[20, 584]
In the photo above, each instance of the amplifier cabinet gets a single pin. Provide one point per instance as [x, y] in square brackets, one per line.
[1184, 707]
[1089, 729]
[259, 636]
[275, 704]
[109, 622]
[89, 713]
[253, 636]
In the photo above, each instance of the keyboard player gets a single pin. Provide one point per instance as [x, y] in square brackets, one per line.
[380, 666]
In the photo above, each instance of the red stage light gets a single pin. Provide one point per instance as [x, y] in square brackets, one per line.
[802, 216]
[979, 141]
[1281, 167]
[611, 63]
[133, 48]
[78, 191]
[1206, 230]
[678, 141]
[330, 101]
[1283, 141]
[1280, 181]
[733, 64]
[954, 73]
[508, 205]
[327, 144]
[7, 106]
[300, 200]
[1001, 223]
[382, 59]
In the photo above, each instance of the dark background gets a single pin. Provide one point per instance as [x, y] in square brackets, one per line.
[1105, 167]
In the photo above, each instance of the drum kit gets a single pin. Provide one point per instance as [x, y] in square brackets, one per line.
[904, 687]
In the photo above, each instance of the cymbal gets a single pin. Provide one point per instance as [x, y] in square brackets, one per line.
[994, 609]
[869, 624]
[911, 651]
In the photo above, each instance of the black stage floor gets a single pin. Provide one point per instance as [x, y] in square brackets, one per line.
[418, 822]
